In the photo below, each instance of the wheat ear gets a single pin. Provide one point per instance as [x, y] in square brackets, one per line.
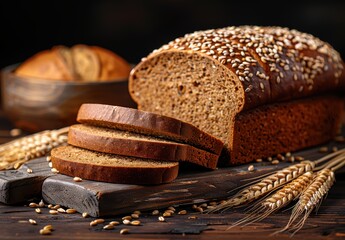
[265, 186]
[13, 154]
[309, 199]
[277, 200]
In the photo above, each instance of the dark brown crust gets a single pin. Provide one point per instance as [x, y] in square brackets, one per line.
[116, 174]
[163, 151]
[133, 120]
[283, 127]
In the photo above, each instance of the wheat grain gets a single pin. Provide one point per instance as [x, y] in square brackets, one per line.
[265, 185]
[13, 154]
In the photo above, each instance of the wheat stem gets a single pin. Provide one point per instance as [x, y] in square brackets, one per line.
[329, 156]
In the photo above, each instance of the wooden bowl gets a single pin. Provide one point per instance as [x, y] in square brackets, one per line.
[36, 104]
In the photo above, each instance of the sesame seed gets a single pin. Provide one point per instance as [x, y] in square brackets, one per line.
[93, 223]
[124, 231]
[323, 149]
[77, 179]
[166, 214]
[49, 227]
[126, 221]
[32, 221]
[71, 211]
[135, 223]
[45, 232]
[114, 223]
[182, 212]
[299, 158]
[275, 162]
[53, 212]
[262, 86]
[155, 213]
[108, 227]
[33, 205]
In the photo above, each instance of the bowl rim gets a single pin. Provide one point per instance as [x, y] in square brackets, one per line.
[9, 70]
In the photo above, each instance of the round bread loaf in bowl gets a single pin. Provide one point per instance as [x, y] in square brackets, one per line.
[46, 91]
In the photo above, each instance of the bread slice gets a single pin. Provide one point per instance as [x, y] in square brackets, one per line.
[91, 165]
[136, 145]
[147, 123]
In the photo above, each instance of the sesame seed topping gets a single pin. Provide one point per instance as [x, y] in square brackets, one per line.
[279, 48]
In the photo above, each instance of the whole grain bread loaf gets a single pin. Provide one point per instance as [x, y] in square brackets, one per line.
[126, 143]
[147, 123]
[215, 78]
[91, 165]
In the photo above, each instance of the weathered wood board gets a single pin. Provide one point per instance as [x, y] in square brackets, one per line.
[100, 199]
[18, 185]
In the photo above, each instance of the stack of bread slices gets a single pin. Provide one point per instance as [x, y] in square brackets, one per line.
[124, 145]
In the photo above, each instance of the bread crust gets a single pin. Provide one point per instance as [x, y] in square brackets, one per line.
[157, 150]
[148, 123]
[113, 174]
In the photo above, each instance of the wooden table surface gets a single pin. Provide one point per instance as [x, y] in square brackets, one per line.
[329, 223]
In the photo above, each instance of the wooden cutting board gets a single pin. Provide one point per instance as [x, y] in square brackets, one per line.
[100, 199]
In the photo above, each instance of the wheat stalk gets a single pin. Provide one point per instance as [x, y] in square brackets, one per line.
[309, 199]
[277, 200]
[13, 154]
[266, 185]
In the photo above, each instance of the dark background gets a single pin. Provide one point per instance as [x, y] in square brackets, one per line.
[134, 28]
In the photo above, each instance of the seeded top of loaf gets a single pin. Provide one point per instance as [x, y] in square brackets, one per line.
[264, 58]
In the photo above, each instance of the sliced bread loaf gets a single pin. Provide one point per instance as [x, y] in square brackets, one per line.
[125, 143]
[74, 161]
[210, 78]
[133, 120]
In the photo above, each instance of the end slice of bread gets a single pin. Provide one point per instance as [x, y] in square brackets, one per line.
[136, 145]
[91, 165]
